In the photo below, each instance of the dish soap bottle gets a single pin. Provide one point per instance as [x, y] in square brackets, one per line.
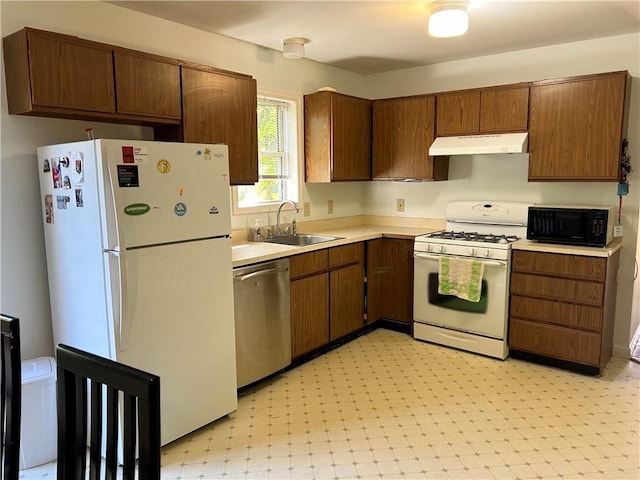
[256, 233]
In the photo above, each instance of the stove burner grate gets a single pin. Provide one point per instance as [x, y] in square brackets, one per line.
[473, 236]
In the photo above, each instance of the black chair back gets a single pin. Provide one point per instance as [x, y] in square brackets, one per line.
[139, 392]
[11, 398]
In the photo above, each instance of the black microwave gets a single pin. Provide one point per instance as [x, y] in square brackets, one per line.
[571, 225]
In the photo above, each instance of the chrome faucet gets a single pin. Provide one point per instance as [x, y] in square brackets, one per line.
[278, 230]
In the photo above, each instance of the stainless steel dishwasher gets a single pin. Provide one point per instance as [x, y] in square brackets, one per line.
[263, 325]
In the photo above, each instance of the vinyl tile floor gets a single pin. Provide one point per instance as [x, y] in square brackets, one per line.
[385, 406]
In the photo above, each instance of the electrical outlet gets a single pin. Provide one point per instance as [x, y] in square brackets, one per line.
[329, 207]
[617, 230]
[400, 205]
[307, 209]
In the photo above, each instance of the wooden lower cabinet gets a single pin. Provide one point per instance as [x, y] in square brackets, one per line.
[346, 301]
[562, 308]
[327, 296]
[309, 313]
[390, 280]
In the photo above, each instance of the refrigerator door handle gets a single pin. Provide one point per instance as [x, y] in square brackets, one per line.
[122, 326]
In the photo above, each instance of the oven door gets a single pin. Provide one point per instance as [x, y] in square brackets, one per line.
[488, 317]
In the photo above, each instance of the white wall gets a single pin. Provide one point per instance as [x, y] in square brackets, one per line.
[23, 287]
[504, 177]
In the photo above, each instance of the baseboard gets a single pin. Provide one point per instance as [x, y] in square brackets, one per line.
[553, 362]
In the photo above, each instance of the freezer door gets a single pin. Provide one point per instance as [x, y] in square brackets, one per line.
[178, 323]
[163, 192]
[72, 222]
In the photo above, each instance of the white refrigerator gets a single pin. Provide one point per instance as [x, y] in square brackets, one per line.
[138, 250]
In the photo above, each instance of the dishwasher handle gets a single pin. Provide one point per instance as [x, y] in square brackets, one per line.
[260, 273]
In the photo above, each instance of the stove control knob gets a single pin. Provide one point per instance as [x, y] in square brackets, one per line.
[442, 249]
[472, 251]
[429, 247]
[487, 253]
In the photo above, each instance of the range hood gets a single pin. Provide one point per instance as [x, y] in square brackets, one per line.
[480, 144]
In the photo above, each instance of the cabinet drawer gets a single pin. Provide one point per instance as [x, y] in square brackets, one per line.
[563, 314]
[553, 341]
[573, 291]
[346, 254]
[572, 266]
[308, 263]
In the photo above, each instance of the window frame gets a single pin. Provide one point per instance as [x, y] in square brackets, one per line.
[295, 151]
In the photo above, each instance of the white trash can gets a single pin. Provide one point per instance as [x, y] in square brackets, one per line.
[38, 426]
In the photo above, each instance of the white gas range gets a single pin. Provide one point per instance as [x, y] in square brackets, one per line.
[476, 230]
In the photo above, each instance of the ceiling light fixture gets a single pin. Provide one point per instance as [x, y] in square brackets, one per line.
[449, 18]
[294, 47]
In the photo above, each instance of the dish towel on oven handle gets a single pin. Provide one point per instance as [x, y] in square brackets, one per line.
[460, 277]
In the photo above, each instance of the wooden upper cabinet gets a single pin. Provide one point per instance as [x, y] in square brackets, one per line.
[62, 76]
[403, 131]
[337, 137]
[50, 74]
[221, 107]
[576, 127]
[147, 84]
[504, 109]
[487, 110]
[458, 113]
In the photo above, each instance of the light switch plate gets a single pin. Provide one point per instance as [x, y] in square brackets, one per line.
[307, 209]
[400, 205]
[329, 207]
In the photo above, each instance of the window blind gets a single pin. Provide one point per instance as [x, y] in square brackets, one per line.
[273, 161]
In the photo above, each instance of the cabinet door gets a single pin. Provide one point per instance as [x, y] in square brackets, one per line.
[458, 113]
[221, 108]
[309, 314]
[504, 109]
[403, 131]
[351, 138]
[575, 128]
[337, 137]
[346, 305]
[70, 73]
[147, 85]
[390, 280]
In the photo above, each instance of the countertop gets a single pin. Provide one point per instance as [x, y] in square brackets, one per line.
[254, 252]
[607, 251]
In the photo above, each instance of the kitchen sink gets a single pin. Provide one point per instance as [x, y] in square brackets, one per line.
[301, 240]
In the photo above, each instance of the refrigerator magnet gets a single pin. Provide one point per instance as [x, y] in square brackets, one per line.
[79, 200]
[55, 174]
[127, 155]
[140, 154]
[78, 168]
[62, 201]
[66, 182]
[207, 154]
[128, 176]
[64, 161]
[180, 209]
[48, 208]
[46, 168]
[163, 166]
[213, 210]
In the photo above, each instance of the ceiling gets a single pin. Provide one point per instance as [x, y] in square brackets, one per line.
[376, 36]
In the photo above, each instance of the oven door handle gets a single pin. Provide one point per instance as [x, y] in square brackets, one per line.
[436, 257]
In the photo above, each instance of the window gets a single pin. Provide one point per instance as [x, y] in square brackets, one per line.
[277, 157]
